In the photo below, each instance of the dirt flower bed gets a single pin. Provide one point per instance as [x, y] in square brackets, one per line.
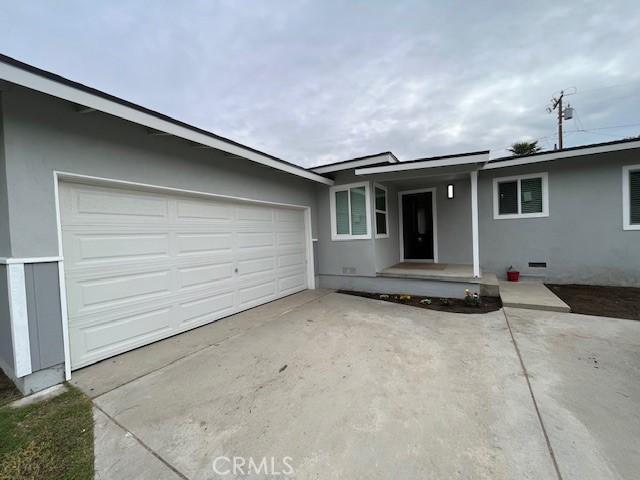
[454, 305]
[618, 302]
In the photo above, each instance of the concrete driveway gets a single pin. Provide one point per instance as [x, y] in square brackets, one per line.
[333, 386]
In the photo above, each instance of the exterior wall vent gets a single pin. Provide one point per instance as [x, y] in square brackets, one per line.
[537, 264]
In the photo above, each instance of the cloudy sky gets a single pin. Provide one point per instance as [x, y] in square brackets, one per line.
[320, 81]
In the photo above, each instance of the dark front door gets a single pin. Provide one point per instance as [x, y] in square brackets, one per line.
[417, 225]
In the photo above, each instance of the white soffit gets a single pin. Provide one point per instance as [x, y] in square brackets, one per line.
[40, 83]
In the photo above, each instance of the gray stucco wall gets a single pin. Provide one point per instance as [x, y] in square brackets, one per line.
[43, 310]
[454, 222]
[582, 240]
[43, 134]
[6, 346]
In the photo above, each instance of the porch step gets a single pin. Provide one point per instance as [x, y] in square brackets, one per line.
[531, 295]
[488, 284]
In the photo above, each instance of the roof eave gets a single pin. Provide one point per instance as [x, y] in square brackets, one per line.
[385, 157]
[33, 80]
[477, 158]
[561, 154]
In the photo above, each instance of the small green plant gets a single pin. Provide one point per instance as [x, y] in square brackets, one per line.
[445, 302]
[404, 298]
[425, 301]
[471, 298]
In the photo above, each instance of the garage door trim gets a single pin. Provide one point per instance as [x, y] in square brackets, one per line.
[59, 176]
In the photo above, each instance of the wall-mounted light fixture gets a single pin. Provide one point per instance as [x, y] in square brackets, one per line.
[450, 190]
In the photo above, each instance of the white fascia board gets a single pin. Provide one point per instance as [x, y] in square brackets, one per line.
[39, 83]
[545, 157]
[445, 162]
[386, 157]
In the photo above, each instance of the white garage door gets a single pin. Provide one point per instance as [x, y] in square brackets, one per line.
[141, 265]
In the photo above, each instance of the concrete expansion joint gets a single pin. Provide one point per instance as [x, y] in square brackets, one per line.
[142, 444]
[533, 398]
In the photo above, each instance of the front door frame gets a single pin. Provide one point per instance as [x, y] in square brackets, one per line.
[435, 225]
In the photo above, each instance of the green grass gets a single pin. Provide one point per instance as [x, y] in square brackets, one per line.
[52, 439]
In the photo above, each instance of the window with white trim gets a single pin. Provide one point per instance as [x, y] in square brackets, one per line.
[521, 196]
[381, 206]
[631, 197]
[350, 211]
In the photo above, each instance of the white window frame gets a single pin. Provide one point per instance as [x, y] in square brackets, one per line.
[332, 207]
[626, 198]
[376, 211]
[518, 179]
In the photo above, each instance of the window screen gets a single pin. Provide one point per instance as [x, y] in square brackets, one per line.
[531, 195]
[508, 198]
[358, 211]
[634, 197]
[342, 212]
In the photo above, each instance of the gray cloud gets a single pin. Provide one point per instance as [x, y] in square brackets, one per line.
[314, 82]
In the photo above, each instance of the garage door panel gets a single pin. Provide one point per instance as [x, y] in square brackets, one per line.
[249, 240]
[197, 210]
[199, 243]
[119, 247]
[253, 214]
[286, 239]
[204, 274]
[104, 205]
[206, 309]
[94, 342]
[141, 266]
[114, 291]
[291, 259]
[293, 282]
[260, 292]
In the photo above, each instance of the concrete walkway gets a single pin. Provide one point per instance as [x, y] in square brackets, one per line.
[531, 294]
[356, 388]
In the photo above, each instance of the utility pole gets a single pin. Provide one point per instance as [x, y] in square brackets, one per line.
[556, 102]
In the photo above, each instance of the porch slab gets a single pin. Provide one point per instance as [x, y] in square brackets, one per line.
[532, 295]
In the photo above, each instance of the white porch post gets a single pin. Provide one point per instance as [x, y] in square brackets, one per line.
[474, 223]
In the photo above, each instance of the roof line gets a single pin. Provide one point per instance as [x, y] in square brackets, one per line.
[364, 157]
[480, 157]
[570, 149]
[443, 157]
[9, 65]
[566, 153]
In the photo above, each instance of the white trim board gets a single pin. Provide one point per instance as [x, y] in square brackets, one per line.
[561, 154]
[355, 163]
[10, 261]
[445, 162]
[433, 191]
[79, 178]
[518, 178]
[626, 198]
[19, 320]
[51, 87]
